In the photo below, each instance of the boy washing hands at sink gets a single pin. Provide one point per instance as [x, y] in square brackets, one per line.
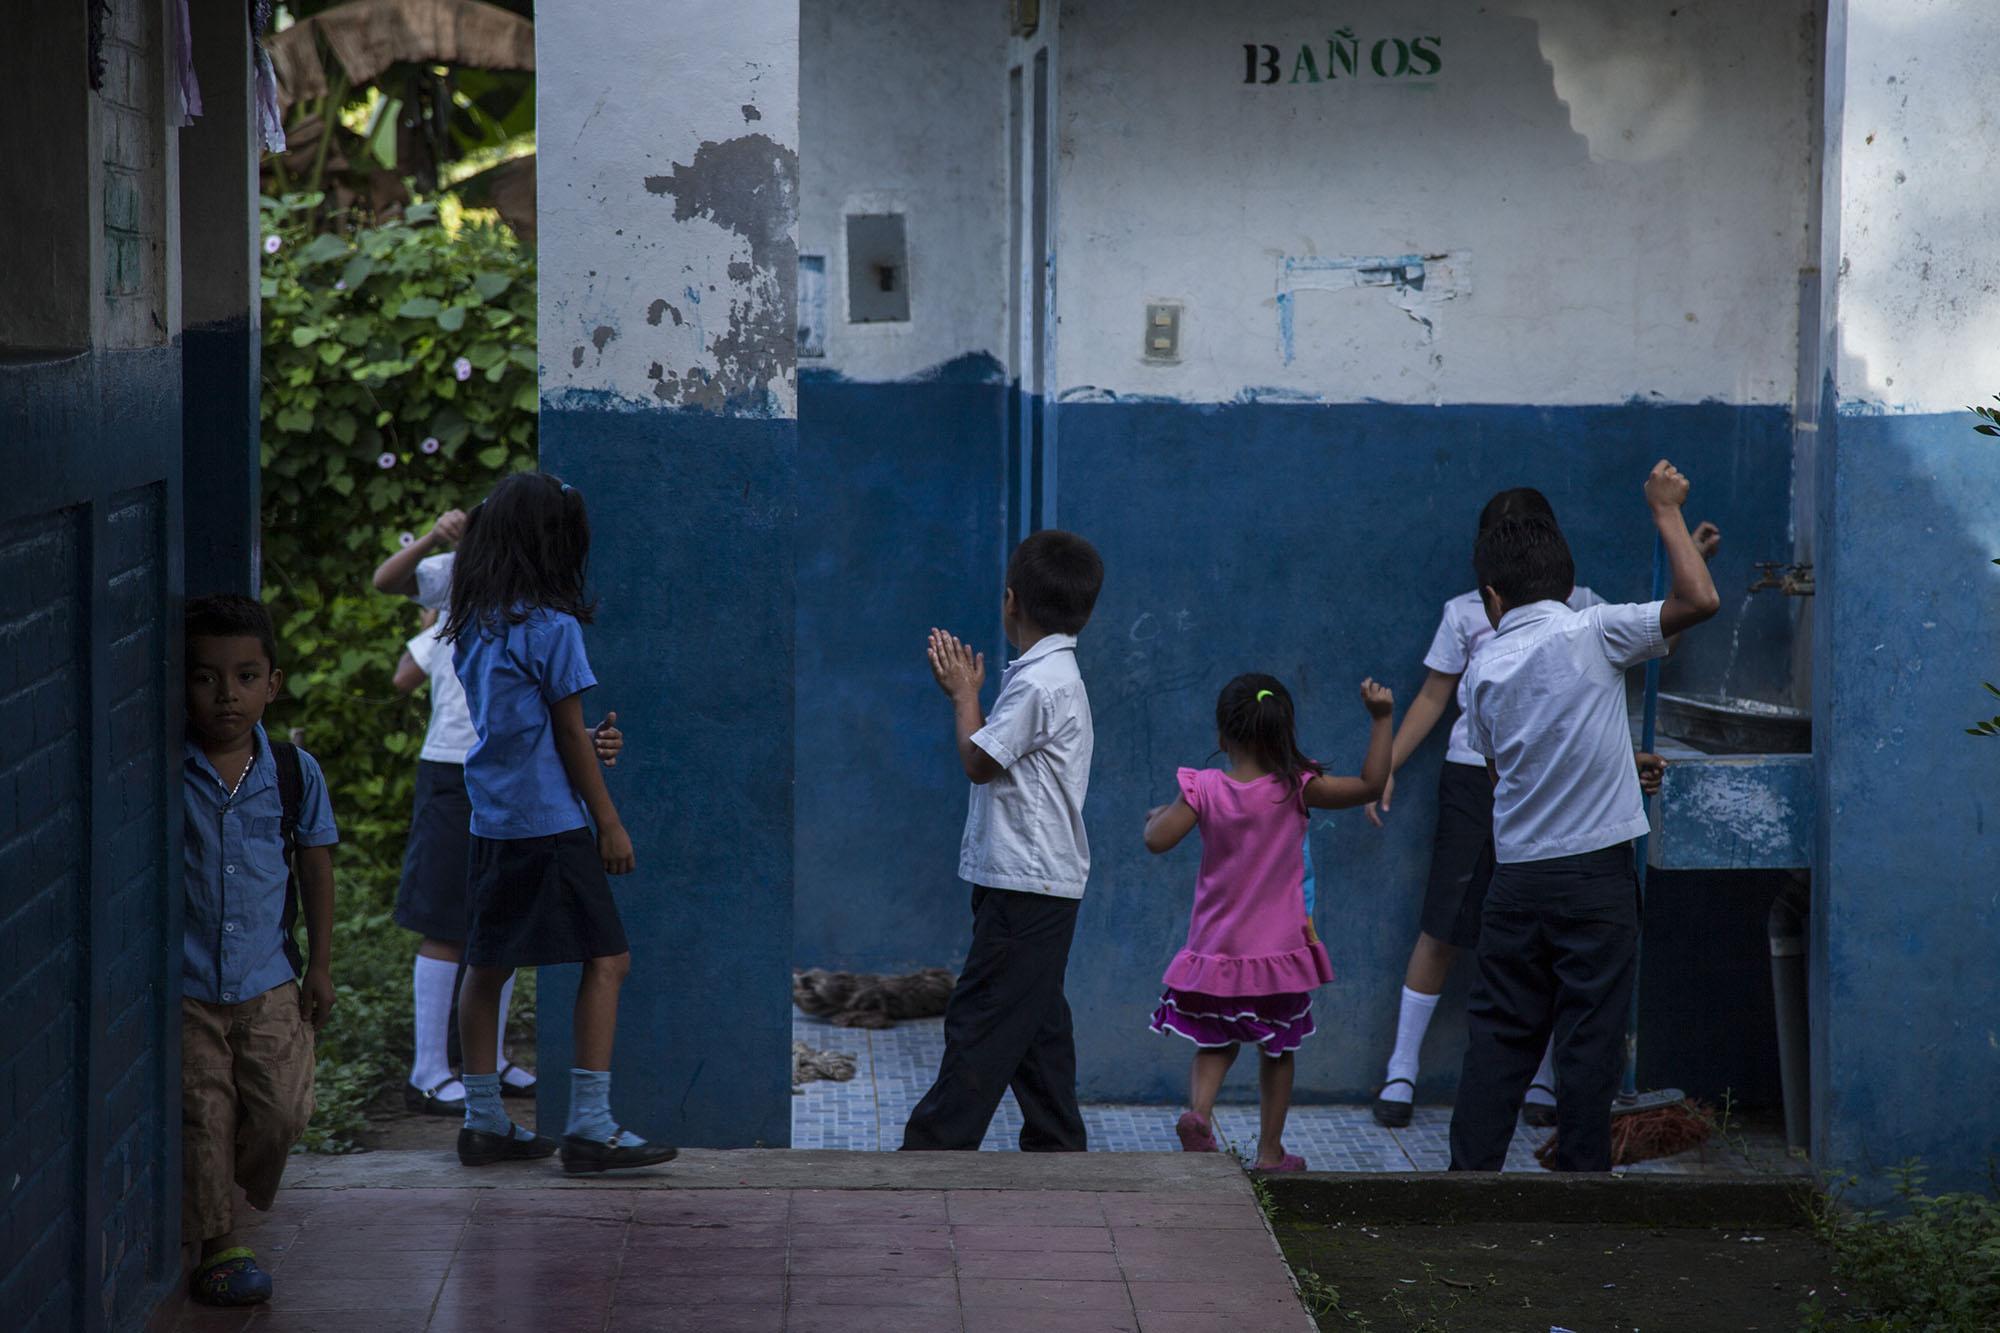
[1545, 704]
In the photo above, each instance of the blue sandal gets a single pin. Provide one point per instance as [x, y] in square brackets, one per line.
[230, 1278]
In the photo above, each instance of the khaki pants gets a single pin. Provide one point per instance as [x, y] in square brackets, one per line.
[246, 1095]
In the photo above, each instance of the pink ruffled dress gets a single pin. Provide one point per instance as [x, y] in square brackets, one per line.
[1250, 961]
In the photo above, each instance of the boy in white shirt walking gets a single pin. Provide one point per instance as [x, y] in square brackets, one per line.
[1026, 856]
[1545, 703]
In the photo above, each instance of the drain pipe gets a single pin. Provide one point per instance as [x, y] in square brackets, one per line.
[1789, 915]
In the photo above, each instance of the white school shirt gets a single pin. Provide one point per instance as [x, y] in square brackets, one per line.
[1462, 631]
[1024, 829]
[451, 734]
[1547, 703]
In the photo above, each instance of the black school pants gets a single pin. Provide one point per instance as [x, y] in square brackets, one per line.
[1558, 952]
[1007, 1025]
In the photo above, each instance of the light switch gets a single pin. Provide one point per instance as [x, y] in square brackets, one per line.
[1163, 331]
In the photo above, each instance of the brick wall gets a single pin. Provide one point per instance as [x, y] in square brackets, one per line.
[43, 888]
[130, 844]
[132, 120]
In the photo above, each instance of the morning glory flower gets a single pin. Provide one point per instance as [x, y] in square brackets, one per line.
[430, 444]
[386, 461]
[406, 538]
[271, 244]
[462, 368]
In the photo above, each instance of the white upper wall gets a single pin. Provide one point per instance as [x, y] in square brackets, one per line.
[1621, 192]
[667, 206]
[902, 107]
[1919, 318]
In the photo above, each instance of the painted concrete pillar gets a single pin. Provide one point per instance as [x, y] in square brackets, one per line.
[220, 313]
[1906, 920]
[667, 202]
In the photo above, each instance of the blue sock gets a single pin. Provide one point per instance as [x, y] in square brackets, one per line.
[590, 1109]
[590, 1104]
[482, 1104]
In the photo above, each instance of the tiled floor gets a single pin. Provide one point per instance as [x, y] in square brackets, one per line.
[895, 1066]
[398, 1260]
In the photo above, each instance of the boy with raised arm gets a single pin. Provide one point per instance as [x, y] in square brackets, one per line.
[1545, 704]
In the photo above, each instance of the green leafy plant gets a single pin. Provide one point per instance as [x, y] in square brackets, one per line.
[398, 382]
[1931, 1266]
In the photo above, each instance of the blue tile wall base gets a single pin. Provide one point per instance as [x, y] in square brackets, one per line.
[1734, 812]
[692, 518]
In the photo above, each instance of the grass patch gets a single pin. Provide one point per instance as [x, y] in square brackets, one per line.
[1930, 1265]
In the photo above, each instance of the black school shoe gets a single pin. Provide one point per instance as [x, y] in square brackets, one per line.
[582, 1157]
[1393, 1115]
[476, 1147]
[425, 1101]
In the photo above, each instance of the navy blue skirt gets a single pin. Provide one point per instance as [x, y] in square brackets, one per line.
[541, 901]
[438, 857]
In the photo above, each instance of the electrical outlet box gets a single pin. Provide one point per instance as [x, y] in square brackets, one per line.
[1163, 331]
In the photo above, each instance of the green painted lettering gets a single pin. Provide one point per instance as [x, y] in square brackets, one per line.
[1345, 48]
[1305, 65]
[1402, 57]
[1425, 59]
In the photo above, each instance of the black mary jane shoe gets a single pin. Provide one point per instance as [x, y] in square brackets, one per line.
[476, 1147]
[1393, 1115]
[425, 1101]
[510, 1090]
[582, 1157]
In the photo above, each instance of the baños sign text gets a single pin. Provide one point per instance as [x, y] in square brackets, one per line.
[1345, 56]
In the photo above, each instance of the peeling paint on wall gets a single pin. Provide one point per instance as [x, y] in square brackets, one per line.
[1415, 283]
[749, 186]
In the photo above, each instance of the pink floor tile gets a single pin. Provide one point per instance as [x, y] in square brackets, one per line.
[697, 1319]
[1056, 1239]
[868, 1207]
[926, 1291]
[637, 1290]
[1041, 1265]
[992, 1293]
[872, 1237]
[1056, 1321]
[1218, 1214]
[1251, 1297]
[871, 1263]
[720, 1261]
[872, 1319]
[652, 1237]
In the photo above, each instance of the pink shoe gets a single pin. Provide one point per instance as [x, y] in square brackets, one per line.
[1196, 1134]
[1290, 1162]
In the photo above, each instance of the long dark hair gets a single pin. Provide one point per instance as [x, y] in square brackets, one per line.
[1254, 714]
[526, 548]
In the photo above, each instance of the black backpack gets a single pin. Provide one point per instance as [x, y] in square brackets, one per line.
[291, 795]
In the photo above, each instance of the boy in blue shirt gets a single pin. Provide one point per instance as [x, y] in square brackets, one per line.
[248, 1017]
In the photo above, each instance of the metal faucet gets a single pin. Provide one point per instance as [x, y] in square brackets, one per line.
[1795, 581]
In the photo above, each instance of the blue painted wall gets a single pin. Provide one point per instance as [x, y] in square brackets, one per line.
[90, 589]
[1316, 541]
[683, 503]
[900, 528]
[1319, 543]
[1906, 915]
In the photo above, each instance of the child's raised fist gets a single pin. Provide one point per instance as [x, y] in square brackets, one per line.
[1377, 699]
[1666, 488]
[450, 526]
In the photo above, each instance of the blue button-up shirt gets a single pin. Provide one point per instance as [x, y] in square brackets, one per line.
[233, 947]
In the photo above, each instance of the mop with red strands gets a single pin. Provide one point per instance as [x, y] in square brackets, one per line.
[1664, 1121]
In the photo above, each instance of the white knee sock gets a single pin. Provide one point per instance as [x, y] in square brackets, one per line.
[1545, 1078]
[512, 1078]
[1411, 1024]
[431, 981]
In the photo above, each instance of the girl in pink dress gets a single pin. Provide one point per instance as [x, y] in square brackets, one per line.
[1252, 955]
